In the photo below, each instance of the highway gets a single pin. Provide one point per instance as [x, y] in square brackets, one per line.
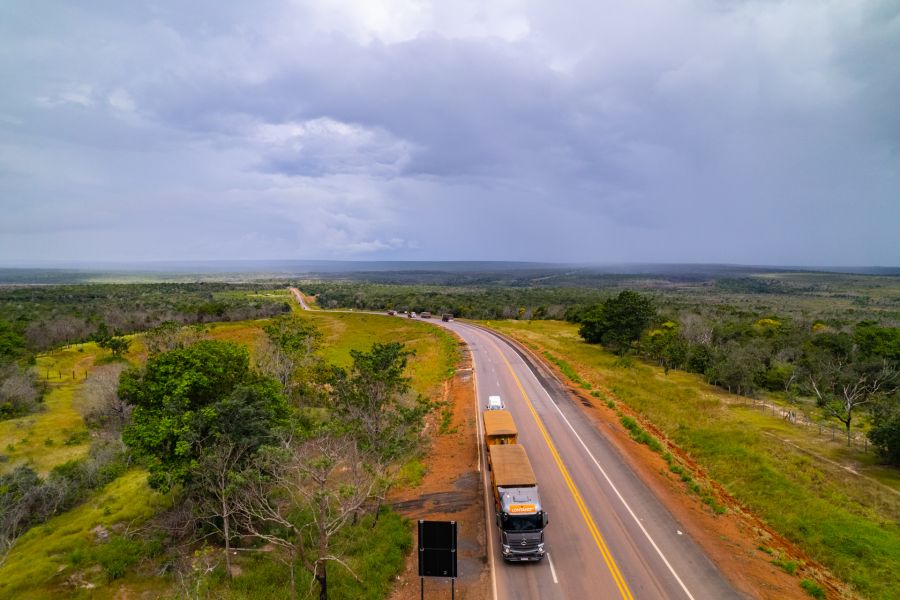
[609, 536]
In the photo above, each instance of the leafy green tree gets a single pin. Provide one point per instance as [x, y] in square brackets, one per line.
[885, 431]
[667, 346]
[881, 342]
[617, 322]
[12, 345]
[188, 400]
[118, 345]
[374, 402]
[294, 335]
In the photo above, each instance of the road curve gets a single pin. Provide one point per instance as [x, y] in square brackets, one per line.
[609, 536]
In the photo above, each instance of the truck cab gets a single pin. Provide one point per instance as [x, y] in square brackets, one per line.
[521, 520]
[494, 403]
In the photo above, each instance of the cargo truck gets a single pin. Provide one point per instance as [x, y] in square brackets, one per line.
[499, 427]
[517, 504]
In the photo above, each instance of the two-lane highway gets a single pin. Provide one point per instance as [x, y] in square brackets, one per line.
[608, 537]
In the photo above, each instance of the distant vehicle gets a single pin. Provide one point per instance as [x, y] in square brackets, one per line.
[412, 315]
[495, 403]
[446, 317]
[425, 315]
[392, 312]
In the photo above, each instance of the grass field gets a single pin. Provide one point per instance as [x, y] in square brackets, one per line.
[846, 522]
[42, 560]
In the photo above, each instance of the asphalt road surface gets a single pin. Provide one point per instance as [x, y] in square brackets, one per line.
[609, 536]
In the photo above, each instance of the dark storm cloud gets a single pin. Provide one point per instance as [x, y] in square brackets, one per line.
[658, 131]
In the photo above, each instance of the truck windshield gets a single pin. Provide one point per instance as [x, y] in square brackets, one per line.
[522, 523]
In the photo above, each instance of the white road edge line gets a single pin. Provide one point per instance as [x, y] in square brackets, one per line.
[608, 480]
[487, 510]
[552, 570]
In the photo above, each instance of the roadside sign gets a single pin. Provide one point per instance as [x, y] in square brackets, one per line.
[437, 551]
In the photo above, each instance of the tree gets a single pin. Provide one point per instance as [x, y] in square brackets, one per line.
[667, 346]
[318, 476]
[118, 345]
[187, 398]
[289, 353]
[885, 431]
[842, 386]
[20, 391]
[12, 345]
[618, 321]
[200, 414]
[374, 403]
[881, 342]
[99, 403]
[25, 500]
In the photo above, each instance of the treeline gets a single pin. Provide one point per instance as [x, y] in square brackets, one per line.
[463, 302]
[817, 337]
[845, 371]
[37, 318]
[48, 316]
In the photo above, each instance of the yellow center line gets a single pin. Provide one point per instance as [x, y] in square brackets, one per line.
[576, 495]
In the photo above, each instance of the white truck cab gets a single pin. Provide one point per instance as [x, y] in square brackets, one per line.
[494, 403]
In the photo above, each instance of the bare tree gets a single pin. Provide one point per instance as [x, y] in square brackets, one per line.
[318, 477]
[219, 479]
[99, 403]
[695, 329]
[841, 387]
[271, 360]
[18, 389]
[170, 335]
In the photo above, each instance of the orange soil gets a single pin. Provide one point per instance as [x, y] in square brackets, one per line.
[451, 490]
[733, 540]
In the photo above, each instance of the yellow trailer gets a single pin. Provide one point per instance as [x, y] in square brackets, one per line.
[499, 427]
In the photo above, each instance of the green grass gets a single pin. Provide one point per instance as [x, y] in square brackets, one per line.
[25, 440]
[48, 554]
[376, 555]
[847, 523]
[436, 350]
[813, 589]
[412, 473]
[41, 559]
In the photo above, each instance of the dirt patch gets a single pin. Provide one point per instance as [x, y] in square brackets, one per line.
[451, 490]
[733, 541]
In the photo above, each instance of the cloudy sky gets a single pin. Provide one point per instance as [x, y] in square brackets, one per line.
[740, 131]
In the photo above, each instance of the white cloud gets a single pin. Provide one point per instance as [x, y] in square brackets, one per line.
[78, 94]
[121, 100]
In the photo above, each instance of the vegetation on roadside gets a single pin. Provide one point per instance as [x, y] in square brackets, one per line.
[846, 522]
[372, 542]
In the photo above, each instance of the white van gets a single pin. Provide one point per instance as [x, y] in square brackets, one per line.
[494, 403]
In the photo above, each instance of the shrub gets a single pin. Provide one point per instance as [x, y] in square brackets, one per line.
[813, 589]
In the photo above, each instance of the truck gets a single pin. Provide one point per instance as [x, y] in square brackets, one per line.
[425, 314]
[499, 427]
[517, 504]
